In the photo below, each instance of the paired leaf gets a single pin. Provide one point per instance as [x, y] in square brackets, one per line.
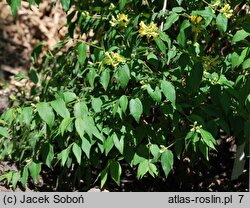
[123, 75]
[35, 169]
[46, 113]
[143, 168]
[96, 104]
[221, 22]
[60, 107]
[82, 52]
[105, 78]
[136, 108]
[86, 147]
[123, 101]
[24, 178]
[167, 161]
[115, 171]
[170, 21]
[208, 138]
[48, 153]
[169, 91]
[119, 143]
[4, 132]
[77, 152]
[80, 109]
[154, 94]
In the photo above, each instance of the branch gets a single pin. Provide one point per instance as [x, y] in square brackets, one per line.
[164, 9]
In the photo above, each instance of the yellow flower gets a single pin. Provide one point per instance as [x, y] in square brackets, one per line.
[150, 31]
[118, 58]
[153, 26]
[113, 59]
[227, 11]
[225, 8]
[195, 19]
[198, 19]
[122, 17]
[121, 21]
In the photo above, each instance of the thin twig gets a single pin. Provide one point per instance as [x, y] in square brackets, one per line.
[164, 9]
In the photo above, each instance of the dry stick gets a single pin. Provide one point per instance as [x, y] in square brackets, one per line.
[164, 9]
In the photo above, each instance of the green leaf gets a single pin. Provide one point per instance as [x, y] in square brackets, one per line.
[7, 176]
[208, 138]
[33, 76]
[136, 108]
[123, 101]
[65, 4]
[87, 124]
[221, 22]
[181, 38]
[96, 104]
[82, 52]
[123, 75]
[4, 132]
[155, 151]
[167, 161]
[46, 113]
[64, 155]
[15, 179]
[65, 124]
[178, 9]
[246, 64]
[105, 78]
[80, 126]
[69, 97]
[80, 109]
[15, 5]
[122, 4]
[24, 178]
[140, 155]
[77, 152]
[143, 168]
[20, 76]
[204, 149]
[154, 94]
[170, 21]
[153, 170]
[195, 78]
[86, 147]
[91, 77]
[108, 144]
[60, 107]
[104, 176]
[27, 115]
[47, 153]
[115, 171]
[240, 35]
[164, 37]
[169, 91]
[119, 144]
[161, 45]
[35, 169]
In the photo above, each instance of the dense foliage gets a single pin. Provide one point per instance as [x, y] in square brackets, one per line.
[142, 82]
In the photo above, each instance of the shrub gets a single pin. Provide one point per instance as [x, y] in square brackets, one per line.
[154, 82]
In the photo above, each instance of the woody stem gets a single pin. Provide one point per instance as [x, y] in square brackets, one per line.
[164, 9]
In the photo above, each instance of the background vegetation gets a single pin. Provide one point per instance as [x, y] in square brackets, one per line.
[145, 83]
